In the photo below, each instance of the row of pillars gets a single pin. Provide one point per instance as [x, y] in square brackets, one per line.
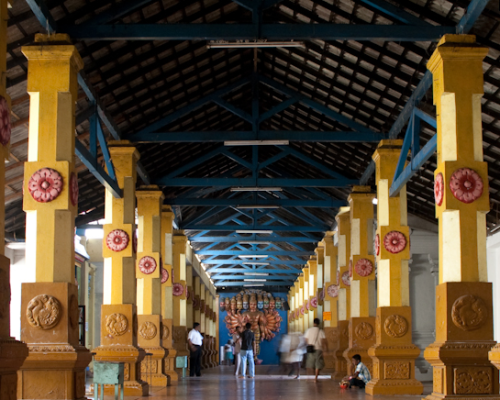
[377, 323]
[151, 296]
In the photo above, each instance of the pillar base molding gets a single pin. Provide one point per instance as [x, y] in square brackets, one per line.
[149, 338]
[341, 367]
[152, 367]
[459, 357]
[170, 352]
[361, 338]
[180, 344]
[12, 356]
[332, 341]
[394, 354]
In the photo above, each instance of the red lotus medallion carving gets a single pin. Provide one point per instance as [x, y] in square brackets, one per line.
[73, 187]
[439, 189]
[377, 244]
[314, 302]
[363, 267]
[147, 265]
[5, 128]
[333, 290]
[394, 242]
[45, 185]
[466, 185]
[164, 275]
[350, 268]
[177, 289]
[117, 240]
[345, 279]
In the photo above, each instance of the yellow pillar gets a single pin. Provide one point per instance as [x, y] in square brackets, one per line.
[394, 353]
[179, 291]
[302, 305]
[55, 367]
[464, 308]
[344, 291]
[291, 314]
[362, 272]
[189, 296]
[167, 301]
[148, 272]
[12, 352]
[319, 280]
[118, 338]
[330, 303]
[305, 296]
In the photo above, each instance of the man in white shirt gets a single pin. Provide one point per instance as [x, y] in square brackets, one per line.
[315, 337]
[195, 340]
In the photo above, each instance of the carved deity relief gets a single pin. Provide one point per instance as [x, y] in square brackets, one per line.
[165, 332]
[116, 324]
[396, 326]
[148, 330]
[469, 312]
[43, 311]
[364, 330]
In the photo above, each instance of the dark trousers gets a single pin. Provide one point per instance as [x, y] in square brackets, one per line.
[195, 362]
[357, 382]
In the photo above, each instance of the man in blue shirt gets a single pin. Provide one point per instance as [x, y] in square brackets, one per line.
[361, 374]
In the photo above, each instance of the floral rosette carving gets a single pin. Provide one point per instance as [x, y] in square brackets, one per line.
[469, 312]
[338, 277]
[188, 293]
[196, 303]
[466, 185]
[350, 268]
[377, 244]
[43, 311]
[165, 331]
[117, 240]
[364, 330]
[363, 267]
[439, 189]
[333, 290]
[396, 326]
[164, 275]
[321, 295]
[148, 330]
[134, 241]
[302, 310]
[346, 279]
[45, 185]
[147, 265]
[73, 188]
[5, 128]
[177, 289]
[394, 242]
[307, 305]
[314, 302]
[116, 324]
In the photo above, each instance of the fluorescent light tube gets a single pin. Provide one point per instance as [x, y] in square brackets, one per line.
[255, 263]
[253, 284]
[254, 280]
[256, 189]
[263, 231]
[254, 256]
[256, 143]
[254, 242]
[256, 274]
[257, 206]
[245, 45]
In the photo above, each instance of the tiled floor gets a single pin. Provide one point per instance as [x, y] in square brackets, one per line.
[220, 383]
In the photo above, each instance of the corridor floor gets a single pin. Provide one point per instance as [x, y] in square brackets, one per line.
[219, 383]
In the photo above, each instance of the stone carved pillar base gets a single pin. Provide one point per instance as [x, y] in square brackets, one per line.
[394, 354]
[332, 339]
[119, 344]
[180, 344]
[341, 345]
[170, 353]
[464, 333]
[12, 352]
[55, 366]
[361, 338]
[149, 338]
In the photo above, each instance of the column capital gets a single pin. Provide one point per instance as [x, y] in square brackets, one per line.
[53, 47]
[150, 191]
[388, 146]
[123, 148]
[361, 193]
[179, 239]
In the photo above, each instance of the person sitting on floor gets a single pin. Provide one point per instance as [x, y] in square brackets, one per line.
[361, 374]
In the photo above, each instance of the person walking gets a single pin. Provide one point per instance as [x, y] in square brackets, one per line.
[195, 341]
[228, 353]
[247, 351]
[237, 347]
[316, 343]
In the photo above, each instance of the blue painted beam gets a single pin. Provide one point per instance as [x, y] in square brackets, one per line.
[105, 152]
[242, 262]
[395, 12]
[250, 182]
[148, 32]
[227, 228]
[422, 156]
[280, 107]
[249, 252]
[115, 11]
[331, 203]
[242, 277]
[253, 284]
[474, 10]
[101, 175]
[233, 109]
[293, 136]
[257, 238]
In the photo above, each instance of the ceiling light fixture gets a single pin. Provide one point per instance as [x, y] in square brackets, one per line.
[256, 189]
[250, 206]
[255, 263]
[256, 143]
[254, 280]
[256, 274]
[262, 231]
[252, 45]
[253, 284]
[254, 242]
[375, 201]
[253, 256]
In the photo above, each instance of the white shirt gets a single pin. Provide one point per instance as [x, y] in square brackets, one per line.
[195, 337]
[314, 337]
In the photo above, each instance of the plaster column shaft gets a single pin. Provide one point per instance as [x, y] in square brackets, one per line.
[464, 308]
[119, 291]
[305, 293]
[343, 239]
[12, 352]
[180, 331]
[394, 353]
[302, 305]
[149, 264]
[167, 301]
[363, 301]
[55, 367]
[330, 303]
